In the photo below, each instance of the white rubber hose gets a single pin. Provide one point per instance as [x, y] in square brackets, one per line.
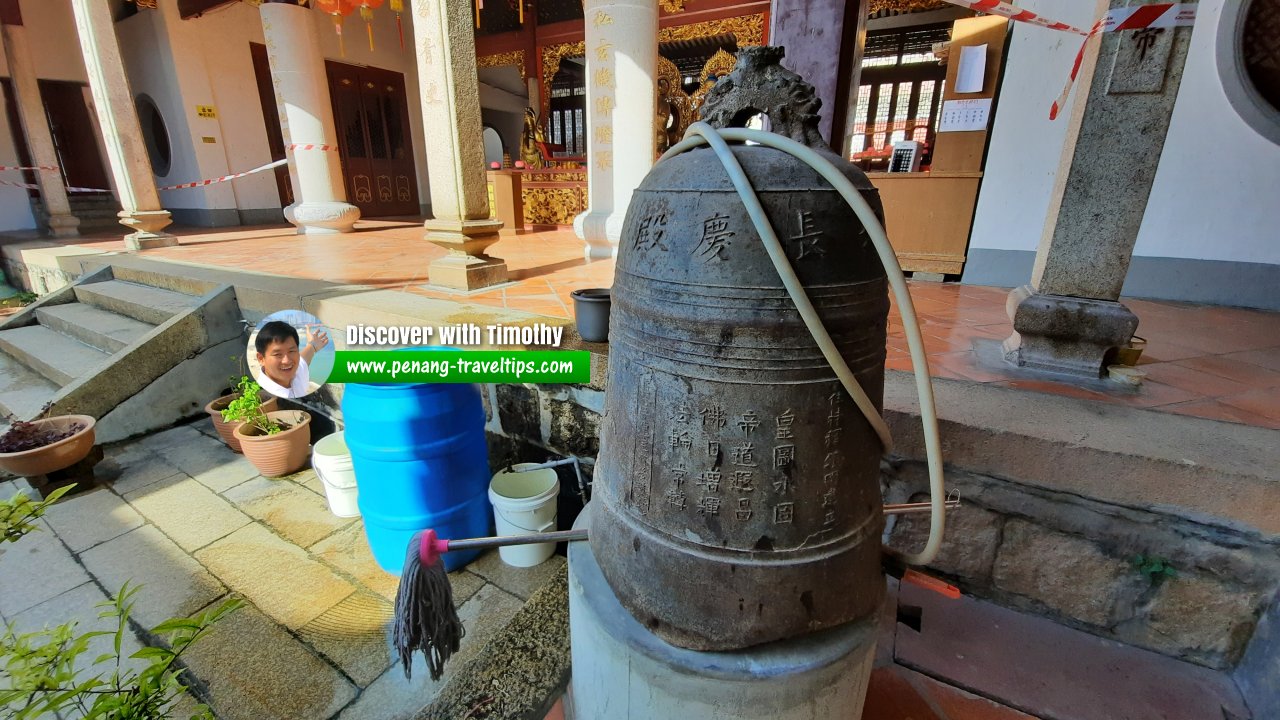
[700, 133]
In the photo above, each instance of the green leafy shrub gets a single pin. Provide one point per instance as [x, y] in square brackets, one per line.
[40, 676]
[247, 400]
[18, 513]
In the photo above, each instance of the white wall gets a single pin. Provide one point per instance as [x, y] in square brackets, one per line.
[1025, 146]
[1214, 192]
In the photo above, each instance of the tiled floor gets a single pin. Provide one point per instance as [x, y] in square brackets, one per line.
[1212, 362]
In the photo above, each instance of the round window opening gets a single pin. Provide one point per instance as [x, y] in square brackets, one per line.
[1248, 58]
[156, 135]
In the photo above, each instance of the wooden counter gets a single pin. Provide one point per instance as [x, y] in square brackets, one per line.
[928, 216]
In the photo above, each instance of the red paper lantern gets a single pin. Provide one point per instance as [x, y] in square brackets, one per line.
[337, 9]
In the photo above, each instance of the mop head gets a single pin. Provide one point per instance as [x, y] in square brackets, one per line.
[425, 618]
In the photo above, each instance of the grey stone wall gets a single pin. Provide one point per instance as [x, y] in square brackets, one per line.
[1074, 559]
[537, 423]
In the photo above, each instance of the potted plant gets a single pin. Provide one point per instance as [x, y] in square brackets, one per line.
[42, 446]
[230, 411]
[277, 443]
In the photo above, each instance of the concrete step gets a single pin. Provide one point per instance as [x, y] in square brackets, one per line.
[102, 329]
[52, 354]
[140, 302]
[22, 392]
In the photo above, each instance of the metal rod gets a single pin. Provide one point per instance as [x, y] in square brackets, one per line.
[505, 540]
[581, 534]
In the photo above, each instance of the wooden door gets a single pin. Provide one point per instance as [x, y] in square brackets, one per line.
[74, 136]
[371, 112]
[271, 116]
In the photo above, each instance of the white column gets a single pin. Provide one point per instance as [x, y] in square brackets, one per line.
[622, 60]
[121, 131]
[450, 92]
[306, 118]
[35, 127]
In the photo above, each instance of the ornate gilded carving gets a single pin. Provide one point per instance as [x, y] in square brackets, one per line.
[718, 66]
[553, 205]
[515, 57]
[671, 7]
[906, 6]
[748, 29]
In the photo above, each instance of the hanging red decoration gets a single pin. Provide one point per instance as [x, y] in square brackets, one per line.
[337, 9]
[397, 6]
[366, 11]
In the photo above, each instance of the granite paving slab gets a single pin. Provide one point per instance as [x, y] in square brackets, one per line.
[355, 635]
[210, 462]
[251, 669]
[188, 512]
[134, 468]
[280, 578]
[87, 519]
[297, 514]
[173, 583]
[521, 582]
[1054, 672]
[36, 568]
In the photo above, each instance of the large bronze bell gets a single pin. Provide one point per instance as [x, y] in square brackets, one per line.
[738, 497]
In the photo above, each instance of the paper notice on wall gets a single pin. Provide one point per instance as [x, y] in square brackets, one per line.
[972, 73]
[965, 115]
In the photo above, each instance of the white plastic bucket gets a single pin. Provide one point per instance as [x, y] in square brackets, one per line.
[332, 462]
[525, 502]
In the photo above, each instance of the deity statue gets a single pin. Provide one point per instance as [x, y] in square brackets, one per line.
[530, 140]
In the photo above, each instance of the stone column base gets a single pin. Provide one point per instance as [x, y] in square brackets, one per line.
[592, 227]
[64, 225]
[466, 267]
[322, 218]
[1063, 334]
[147, 225]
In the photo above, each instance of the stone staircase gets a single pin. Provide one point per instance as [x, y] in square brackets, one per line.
[134, 356]
[97, 213]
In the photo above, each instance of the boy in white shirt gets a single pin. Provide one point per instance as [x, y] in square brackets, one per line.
[284, 367]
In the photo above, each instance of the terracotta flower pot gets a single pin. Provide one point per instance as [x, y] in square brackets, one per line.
[54, 456]
[282, 453]
[226, 430]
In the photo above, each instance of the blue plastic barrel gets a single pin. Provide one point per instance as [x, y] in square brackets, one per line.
[421, 461]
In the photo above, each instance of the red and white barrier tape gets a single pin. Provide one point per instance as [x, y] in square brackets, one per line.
[311, 146]
[224, 178]
[32, 167]
[32, 186]
[1136, 17]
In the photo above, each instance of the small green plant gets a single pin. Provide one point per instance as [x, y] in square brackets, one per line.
[247, 401]
[18, 513]
[42, 678]
[1155, 568]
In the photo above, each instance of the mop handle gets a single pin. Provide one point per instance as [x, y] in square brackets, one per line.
[505, 540]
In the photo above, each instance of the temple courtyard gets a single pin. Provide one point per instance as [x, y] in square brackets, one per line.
[193, 523]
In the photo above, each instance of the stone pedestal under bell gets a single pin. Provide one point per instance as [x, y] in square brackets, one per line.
[621, 670]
